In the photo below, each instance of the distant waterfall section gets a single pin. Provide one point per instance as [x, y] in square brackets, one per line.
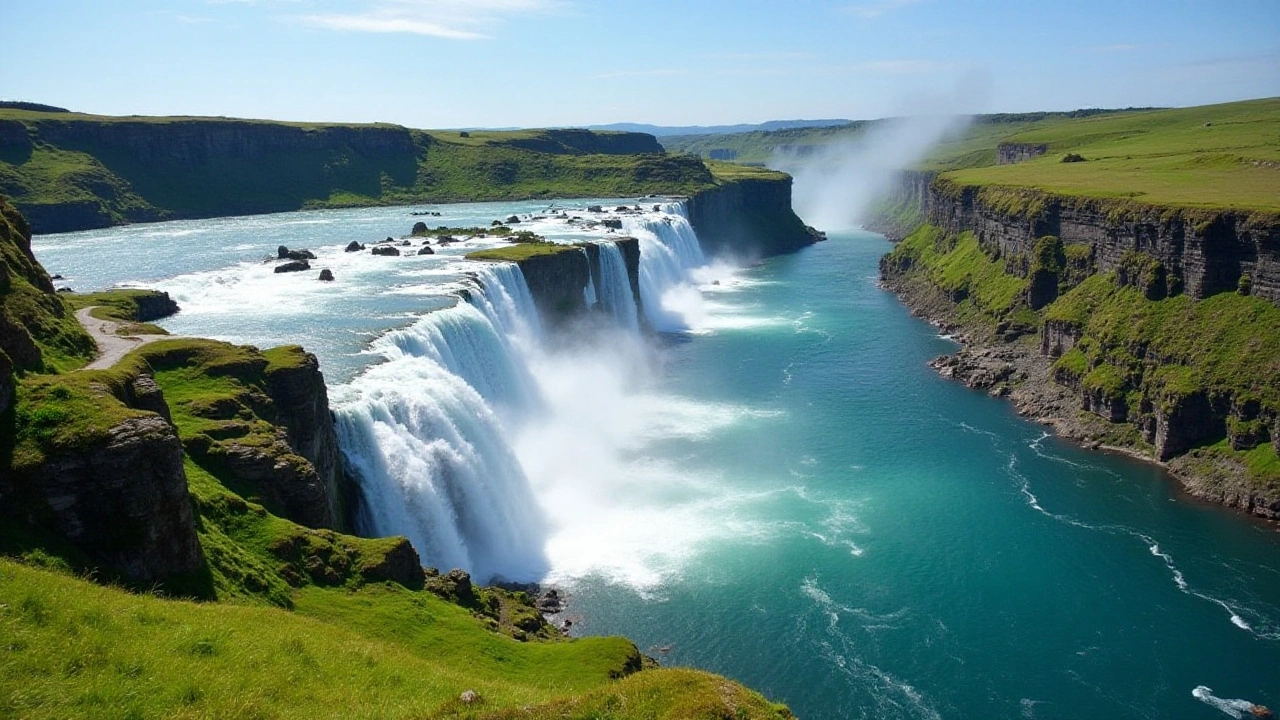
[669, 252]
[428, 434]
[614, 295]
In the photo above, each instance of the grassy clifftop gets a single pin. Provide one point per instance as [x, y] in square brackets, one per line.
[1133, 258]
[277, 620]
[1214, 156]
[295, 622]
[70, 171]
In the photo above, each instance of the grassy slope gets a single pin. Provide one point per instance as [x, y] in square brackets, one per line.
[37, 329]
[1216, 156]
[298, 630]
[973, 146]
[520, 251]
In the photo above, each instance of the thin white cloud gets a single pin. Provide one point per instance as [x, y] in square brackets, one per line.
[872, 9]
[448, 19]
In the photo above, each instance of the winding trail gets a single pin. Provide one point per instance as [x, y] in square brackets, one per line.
[111, 347]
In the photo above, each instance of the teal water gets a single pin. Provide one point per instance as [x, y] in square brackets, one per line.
[790, 496]
[929, 553]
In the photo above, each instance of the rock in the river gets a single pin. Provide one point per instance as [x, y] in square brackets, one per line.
[419, 229]
[284, 253]
[293, 266]
[426, 250]
[385, 250]
[326, 275]
[354, 246]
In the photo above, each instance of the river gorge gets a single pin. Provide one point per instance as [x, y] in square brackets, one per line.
[746, 467]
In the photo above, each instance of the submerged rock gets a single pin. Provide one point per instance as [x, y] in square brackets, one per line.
[385, 250]
[294, 266]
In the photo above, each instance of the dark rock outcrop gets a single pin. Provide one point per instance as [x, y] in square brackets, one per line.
[419, 229]
[1010, 153]
[284, 253]
[122, 499]
[1055, 243]
[748, 219]
[557, 282]
[354, 246]
[154, 305]
[426, 250]
[630, 249]
[1197, 252]
[386, 250]
[293, 266]
[326, 275]
[301, 401]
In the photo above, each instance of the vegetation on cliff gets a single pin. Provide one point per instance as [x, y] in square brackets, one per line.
[38, 332]
[1214, 156]
[1157, 307]
[152, 564]
[974, 146]
[70, 171]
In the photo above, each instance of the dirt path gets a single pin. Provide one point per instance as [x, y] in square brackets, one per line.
[111, 347]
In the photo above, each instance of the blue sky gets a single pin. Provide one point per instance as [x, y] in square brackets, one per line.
[461, 63]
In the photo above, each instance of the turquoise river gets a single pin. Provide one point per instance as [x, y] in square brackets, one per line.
[775, 488]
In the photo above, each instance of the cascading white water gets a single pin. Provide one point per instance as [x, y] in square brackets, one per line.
[426, 433]
[669, 251]
[615, 293]
[472, 412]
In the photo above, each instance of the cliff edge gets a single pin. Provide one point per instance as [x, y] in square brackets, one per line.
[1143, 326]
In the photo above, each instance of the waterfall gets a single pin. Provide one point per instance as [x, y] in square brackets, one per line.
[471, 409]
[669, 250]
[615, 293]
[426, 433]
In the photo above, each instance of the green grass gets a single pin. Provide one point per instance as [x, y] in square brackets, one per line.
[521, 251]
[1215, 156]
[76, 649]
[123, 306]
[1226, 342]
[38, 331]
[82, 170]
[960, 268]
[972, 146]
[302, 622]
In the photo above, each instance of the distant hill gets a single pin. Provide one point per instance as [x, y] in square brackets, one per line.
[665, 130]
[69, 171]
[758, 146]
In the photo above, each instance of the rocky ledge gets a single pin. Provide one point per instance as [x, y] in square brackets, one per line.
[1015, 368]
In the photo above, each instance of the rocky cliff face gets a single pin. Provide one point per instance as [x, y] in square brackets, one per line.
[558, 281]
[630, 248]
[1010, 153]
[301, 402]
[32, 316]
[1174, 372]
[1201, 252]
[748, 219]
[260, 423]
[114, 487]
[194, 142]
